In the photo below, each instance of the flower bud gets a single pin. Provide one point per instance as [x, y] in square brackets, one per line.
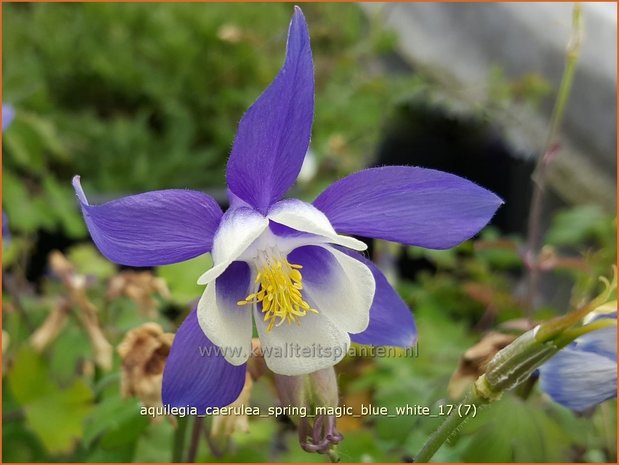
[520, 359]
[514, 364]
[315, 391]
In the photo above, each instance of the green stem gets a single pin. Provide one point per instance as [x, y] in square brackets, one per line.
[334, 456]
[179, 439]
[195, 439]
[509, 368]
[539, 175]
[449, 426]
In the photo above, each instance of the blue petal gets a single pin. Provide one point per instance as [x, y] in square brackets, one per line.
[583, 374]
[391, 321]
[414, 206]
[155, 228]
[196, 374]
[274, 134]
[602, 342]
[6, 232]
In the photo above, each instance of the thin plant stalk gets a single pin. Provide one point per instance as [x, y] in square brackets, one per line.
[178, 446]
[474, 397]
[195, 439]
[549, 151]
[447, 429]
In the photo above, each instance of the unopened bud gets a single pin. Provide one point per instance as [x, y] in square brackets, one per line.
[514, 364]
[323, 387]
[315, 391]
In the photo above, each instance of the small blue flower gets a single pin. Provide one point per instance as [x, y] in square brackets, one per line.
[288, 266]
[584, 373]
[8, 113]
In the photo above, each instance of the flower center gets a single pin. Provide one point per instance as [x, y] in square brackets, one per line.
[280, 290]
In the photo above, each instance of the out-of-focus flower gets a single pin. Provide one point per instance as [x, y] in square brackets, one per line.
[6, 233]
[309, 168]
[7, 117]
[230, 33]
[287, 263]
[8, 113]
[144, 351]
[139, 286]
[578, 363]
[584, 373]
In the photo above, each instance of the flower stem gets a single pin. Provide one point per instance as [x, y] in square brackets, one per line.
[178, 445]
[334, 456]
[507, 370]
[539, 174]
[449, 426]
[195, 439]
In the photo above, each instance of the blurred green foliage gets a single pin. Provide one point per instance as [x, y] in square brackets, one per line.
[141, 97]
[137, 97]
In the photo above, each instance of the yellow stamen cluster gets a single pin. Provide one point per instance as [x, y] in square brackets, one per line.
[279, 292]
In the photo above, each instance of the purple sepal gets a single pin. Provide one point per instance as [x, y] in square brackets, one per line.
[154, 228]
[196, 374]
[274, 133]
[414, 206]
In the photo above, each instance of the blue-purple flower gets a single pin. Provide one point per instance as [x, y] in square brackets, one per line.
[584, 373]
[8, 113]
[289, 267]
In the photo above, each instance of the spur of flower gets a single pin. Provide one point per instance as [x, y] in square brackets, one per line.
[289, 267]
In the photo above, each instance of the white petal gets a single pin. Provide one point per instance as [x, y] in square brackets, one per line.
[295, 349]
[238, 229]
[306, 218]
[344, 290]
[226, 324]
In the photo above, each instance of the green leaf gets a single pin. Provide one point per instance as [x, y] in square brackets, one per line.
[20, 208]
[576, 226]
[117, 421]
[60, 201]
[181, 277]
[362, 446]
[155, 444]
[55, 415]
[89, 261]
[512, 430]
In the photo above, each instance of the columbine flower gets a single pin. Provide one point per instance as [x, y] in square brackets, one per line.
[286, 262]
[584, 373]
